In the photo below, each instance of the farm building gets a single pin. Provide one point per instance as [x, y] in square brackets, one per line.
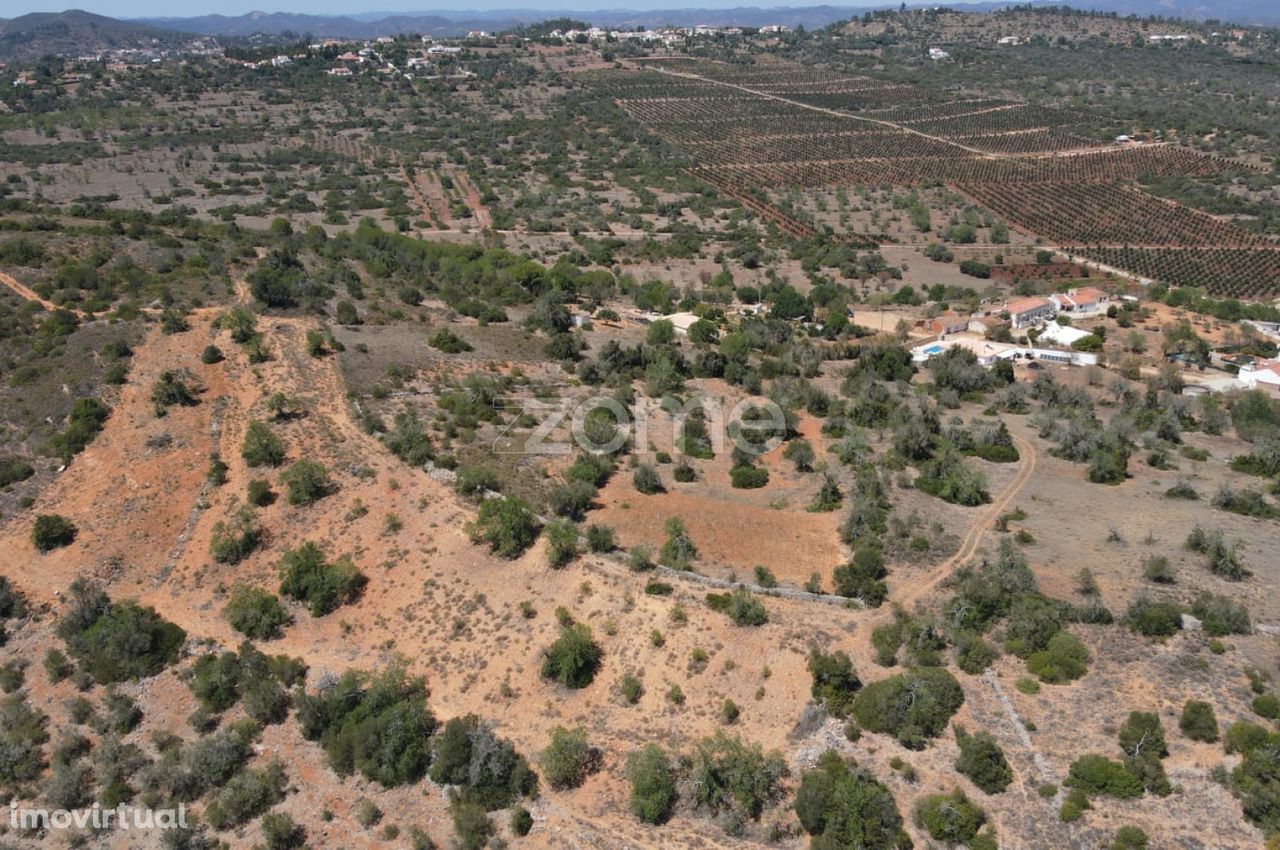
[986, 324]
[945, 323]
[988, 352]
[1029, 311]
[682, 321]
[1261, 375]
[1085, 299]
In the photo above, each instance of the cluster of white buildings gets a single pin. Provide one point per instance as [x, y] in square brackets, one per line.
[669, 36]
[988, 352]
[953, 329]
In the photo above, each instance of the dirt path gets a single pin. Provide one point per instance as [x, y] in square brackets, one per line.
[31, 295]
[978, 529]
[472, 197]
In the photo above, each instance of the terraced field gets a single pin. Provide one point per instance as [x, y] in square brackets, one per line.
[776, 124]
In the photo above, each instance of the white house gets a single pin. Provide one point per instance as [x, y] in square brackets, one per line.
[988, 352]
[1082, 300]
[1029, 311]
[1261, 375]
[936, 53]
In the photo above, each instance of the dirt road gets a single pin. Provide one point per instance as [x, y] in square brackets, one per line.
[31, 295]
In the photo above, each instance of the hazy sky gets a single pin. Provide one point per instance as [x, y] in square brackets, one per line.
[167, 8]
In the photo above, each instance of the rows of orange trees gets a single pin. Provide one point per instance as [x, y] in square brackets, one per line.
[1105, 214]
[933, 111]
[1003, 119]
[1026, 141]
[711, 117]
[1243, 273]
[746, 139]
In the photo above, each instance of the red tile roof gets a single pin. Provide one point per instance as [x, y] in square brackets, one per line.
[1026, 305]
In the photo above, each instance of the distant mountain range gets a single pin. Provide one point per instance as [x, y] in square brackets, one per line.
[456, 23]
[76, 32]
[325, 26]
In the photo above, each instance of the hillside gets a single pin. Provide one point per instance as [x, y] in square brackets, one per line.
[75, 32]
[325, 26]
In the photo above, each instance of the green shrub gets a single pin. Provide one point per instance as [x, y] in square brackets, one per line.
[572, 660]
[982, 760]
[1095, 774]
[729, 775]
[1154, 619]
[1198, 721]
[949, 478]
[488, 771]
[572, 499]
[568, 758]
[562, 542]
[248, 794]
[281, 833]
[12, 676]
[913, 706]
[863, 577]
[220, 680]
[261, 446]
[169, 391]
[471, 825]
[1266, 705]
[1221, 616]
[52, 531]
[83, 424]
[217, 473]
[950, 818]
[259, 493]
[507, 524]
[408, 439]
[474, 481]
[322, 586]
[447, 341]
[647, 480]
[1033, 620]
[211, 354]
[741, 606]
[600, 539]
[117, 641]
[640, 559]
[306, 482]
[845, 808]
[255, 613]
[748, 477]
[521, 821]
[678, 551]
[1157, 570]
[1074, 806]
[1065, 659]
[380, 727]
[973, 654]
[1222, 559]
[835, 683]
[1129, 838]
[14, 469]
[653, 784]
[57, 666]
[234, 539]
